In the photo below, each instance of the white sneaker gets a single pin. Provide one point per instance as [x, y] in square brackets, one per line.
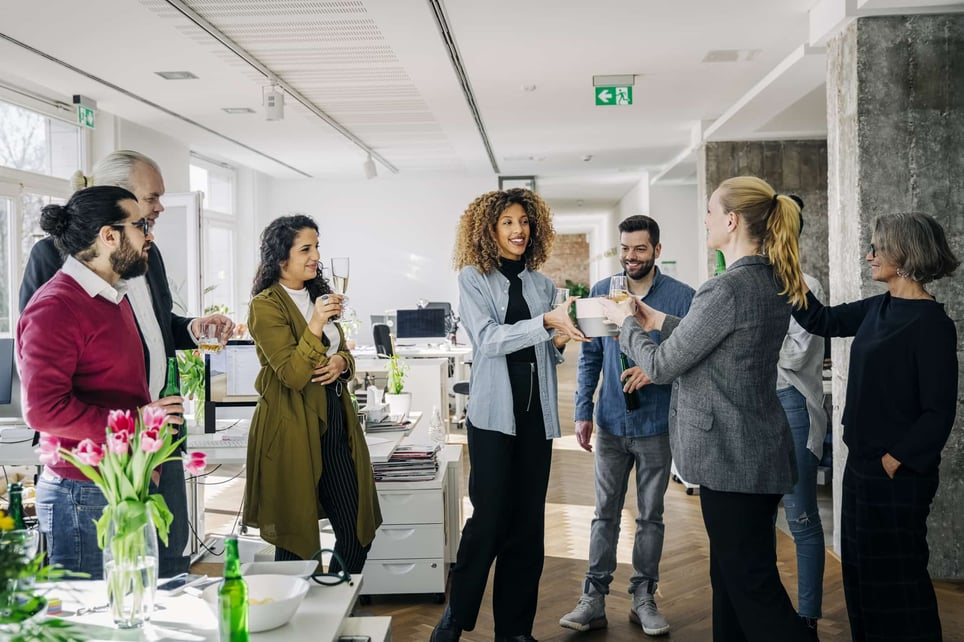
[589, 614]
[645, 614]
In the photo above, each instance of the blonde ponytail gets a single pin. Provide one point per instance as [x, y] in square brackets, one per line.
[78, 181]
[782, 246]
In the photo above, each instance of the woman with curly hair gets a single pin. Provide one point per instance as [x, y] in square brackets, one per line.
[517, 340]
[307, 456]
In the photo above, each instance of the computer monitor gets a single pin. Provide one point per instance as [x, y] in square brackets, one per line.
[6, 370]
[229, 377]
[426, 325]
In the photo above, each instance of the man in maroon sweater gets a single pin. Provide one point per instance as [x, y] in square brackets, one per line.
[80, 354]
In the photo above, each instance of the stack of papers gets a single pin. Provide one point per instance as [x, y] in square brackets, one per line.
[409, 462]
[388, 424]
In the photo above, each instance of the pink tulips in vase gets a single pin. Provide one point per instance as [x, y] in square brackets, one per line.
[134, 447]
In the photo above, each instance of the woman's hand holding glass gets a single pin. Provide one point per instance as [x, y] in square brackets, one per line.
[649, 319]
[558, 320]
[327, 308]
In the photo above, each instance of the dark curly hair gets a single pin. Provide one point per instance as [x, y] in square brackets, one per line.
[276, 242]
[475, 240]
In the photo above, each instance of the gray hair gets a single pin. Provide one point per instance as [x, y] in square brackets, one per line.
[916, 243]
[114, 169]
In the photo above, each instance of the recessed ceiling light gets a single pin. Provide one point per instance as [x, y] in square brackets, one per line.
[176, 75]
[731, 55]
[237, 110]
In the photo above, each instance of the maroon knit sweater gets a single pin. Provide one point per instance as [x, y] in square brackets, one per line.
[79, 358]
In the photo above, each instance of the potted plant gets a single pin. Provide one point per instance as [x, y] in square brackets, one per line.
[399, 401]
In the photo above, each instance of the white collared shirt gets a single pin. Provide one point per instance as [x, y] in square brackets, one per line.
[92, 282]
[139, 294]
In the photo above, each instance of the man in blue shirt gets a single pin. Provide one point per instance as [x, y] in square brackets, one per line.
[627, 438]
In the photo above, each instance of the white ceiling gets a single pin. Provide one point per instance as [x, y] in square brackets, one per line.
[381, 69]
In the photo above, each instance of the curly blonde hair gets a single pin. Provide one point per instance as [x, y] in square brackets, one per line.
[475, 240]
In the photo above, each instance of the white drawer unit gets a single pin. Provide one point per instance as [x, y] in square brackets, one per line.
[418, 538]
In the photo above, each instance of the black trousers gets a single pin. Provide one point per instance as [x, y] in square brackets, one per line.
[750, 603]
[884, 553]
[507, 485]
[338, 491]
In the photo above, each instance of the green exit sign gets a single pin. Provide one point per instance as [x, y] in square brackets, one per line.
[614, 95]
[85, 116]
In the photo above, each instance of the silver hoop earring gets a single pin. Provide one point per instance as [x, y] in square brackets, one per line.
[902, 273]
[529, 244]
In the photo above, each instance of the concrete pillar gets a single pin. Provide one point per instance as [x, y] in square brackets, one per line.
[791, 167]
[895, 134]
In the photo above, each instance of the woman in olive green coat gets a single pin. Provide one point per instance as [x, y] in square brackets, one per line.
[307, 456]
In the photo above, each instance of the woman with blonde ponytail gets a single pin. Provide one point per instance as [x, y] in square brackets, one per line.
[728, 431]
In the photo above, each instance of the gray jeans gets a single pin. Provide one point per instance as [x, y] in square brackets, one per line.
[615, 458]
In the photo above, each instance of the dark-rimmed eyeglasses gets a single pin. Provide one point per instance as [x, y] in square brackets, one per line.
[144, 224]
[873, 251]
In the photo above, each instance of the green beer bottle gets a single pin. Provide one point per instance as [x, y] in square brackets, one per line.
[16, 506]
[173, 389]
[232, 597]
[720, 264]
[632, 401]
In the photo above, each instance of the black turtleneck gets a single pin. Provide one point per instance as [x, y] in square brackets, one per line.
[517, 309]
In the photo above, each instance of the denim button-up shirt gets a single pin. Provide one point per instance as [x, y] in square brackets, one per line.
[601, 355]
[483, 299]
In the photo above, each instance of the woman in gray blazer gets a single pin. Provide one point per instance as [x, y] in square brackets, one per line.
[728, 431]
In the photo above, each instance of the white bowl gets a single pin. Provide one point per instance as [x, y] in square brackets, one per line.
[296, 568]
[272, 600]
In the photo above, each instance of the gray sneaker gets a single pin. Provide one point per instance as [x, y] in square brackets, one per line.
[645, 614]
[589, 614]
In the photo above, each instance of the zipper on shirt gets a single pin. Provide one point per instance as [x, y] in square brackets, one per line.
[532, 376]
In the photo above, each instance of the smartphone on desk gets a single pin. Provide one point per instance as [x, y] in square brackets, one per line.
[180, 582]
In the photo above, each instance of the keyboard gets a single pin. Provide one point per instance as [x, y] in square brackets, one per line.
[215, 440]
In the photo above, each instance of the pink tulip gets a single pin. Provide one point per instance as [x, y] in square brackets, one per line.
[118, 443]
[88, 452]
[154, 417]
[151, 441]
[49, 450]
[121, 421]
[195, 463]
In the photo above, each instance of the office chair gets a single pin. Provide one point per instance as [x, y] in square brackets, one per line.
[383, 340]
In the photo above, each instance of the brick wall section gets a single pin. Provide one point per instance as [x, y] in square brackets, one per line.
[569, 260]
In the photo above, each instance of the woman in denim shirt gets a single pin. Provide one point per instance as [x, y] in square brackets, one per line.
[517, 341]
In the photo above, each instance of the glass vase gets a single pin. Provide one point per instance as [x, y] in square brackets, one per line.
[130, 571]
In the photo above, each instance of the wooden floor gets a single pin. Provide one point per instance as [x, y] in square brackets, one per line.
[684, 593]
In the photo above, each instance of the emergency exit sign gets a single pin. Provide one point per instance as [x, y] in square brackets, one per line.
[85, 116]
[613, 95]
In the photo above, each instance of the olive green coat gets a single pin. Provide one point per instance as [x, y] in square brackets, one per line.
[284, 446]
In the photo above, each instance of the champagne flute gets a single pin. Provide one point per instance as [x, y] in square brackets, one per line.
[618, 291]
[339, 279]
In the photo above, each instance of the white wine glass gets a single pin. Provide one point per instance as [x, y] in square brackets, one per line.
[618, 291]
[339, 283]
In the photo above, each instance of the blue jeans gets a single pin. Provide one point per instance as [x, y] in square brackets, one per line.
[800, 507]
[614, 460]
[67, 510]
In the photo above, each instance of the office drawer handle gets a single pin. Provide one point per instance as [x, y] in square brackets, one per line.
[398, 533]
[399, 569]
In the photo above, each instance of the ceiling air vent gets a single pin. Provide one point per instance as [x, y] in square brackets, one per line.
[731, 55]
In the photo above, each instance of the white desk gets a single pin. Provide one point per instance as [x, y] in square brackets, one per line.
[323, 616]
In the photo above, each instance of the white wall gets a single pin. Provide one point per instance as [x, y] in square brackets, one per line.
[680, 216]
[398, 232]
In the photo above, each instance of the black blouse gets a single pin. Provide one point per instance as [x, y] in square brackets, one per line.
[517, 308]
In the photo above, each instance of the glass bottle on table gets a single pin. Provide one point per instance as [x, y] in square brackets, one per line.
[436, 431]
[15, 509]
[232, 597]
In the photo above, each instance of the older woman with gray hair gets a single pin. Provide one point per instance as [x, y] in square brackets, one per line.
[900, 407]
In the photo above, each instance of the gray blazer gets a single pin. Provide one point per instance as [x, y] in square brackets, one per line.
[727, 429]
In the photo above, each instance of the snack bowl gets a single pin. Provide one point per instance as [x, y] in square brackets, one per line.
[296, 568]
[272, 600]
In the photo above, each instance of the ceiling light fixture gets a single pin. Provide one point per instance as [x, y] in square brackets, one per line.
[176, 75]
[237, 110]
[274, 103]
[369, 166]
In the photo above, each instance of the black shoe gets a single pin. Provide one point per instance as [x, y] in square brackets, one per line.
[515, 638]
[447, 629]
[811, 624]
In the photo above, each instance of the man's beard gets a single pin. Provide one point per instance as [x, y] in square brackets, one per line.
[128, 261]
[642, 272]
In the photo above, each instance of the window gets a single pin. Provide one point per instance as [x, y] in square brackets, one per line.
[33, 142]
[218, 233]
